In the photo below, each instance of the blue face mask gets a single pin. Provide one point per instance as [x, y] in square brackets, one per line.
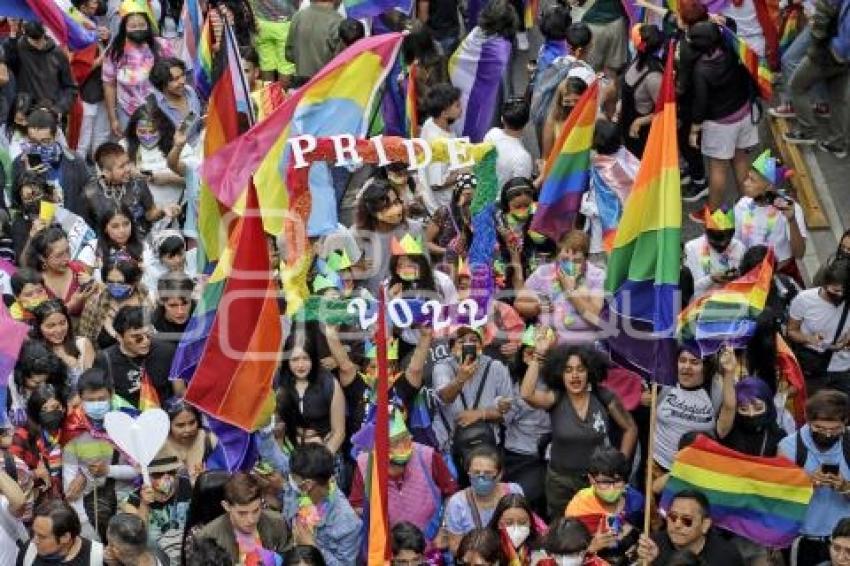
[482, 485]
[50, 153]
[568, 267]
[119, 291]
[96, 410]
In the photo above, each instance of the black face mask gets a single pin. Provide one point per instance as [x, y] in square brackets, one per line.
[52, 420]
[751, 423]
[139, 36]
[824, 441]
[719, 240]
[842, 254]
[833, 298]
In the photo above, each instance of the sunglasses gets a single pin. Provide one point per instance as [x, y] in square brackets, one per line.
[684, 519]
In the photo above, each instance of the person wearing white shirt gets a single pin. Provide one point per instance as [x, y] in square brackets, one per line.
[513, 160]
[443, 104]
[713, 258]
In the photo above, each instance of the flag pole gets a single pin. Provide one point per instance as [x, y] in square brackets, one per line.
[650, 448]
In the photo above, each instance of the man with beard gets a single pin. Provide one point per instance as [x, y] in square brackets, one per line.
[821, 448]
[443, 106]
[713, 258]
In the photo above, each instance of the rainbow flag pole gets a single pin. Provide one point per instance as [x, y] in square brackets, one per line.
[378, 550]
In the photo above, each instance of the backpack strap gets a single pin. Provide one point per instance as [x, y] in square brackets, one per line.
[480, 388]
[476, 516]
[801, 453]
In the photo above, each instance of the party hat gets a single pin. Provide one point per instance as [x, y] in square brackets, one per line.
[463, 268]
[337, 261]
[392, 349]
[771, 168]
[328, 280]
[720, 219]
[397, 425]
[407, 246]
[138, 7]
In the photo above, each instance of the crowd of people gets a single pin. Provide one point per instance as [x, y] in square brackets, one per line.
[513, 443]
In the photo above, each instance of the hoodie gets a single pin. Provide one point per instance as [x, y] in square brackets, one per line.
[44, 74]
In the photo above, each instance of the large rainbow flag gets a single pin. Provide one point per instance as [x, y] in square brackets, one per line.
[727, 315]
[567, 170]
[66, 23]
[340, 99]
[476, 68]
[643, 268]
[762, 499]
[755, 65]
[233, 377]
[14, 333]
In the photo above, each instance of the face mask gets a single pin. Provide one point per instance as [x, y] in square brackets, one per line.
[50, 153]
[569, 559]
[720, 241]
[148, 140]
[842, 254]
[119, 291]
[401, 456]
[138, 36]
[568, 267]
[824, 441]
[408, 274]
[397, 178]
[51, 420]
[751, 423]
[609, 495]
[165, 485]
[521, 214]
[96, 410]
[834, 298]
[482, 486]
[518, 534]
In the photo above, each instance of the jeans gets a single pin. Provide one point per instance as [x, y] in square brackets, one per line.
[791, 60]
[837, 78]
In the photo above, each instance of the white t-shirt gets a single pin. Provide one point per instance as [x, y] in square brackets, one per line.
[820, 316]
[747, 23]
[703, 261]
[766, 225]
[513, 159]
[435, 173]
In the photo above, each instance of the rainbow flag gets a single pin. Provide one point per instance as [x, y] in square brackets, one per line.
[360, 9]
[338, 100]
[267, 99]
[14, 333]
[567, 170]
[755, 65]
[761, 499]
[530, 13]
[202, 67]
[411, 112]
[377, 518]
[727, 315]
[790, 27]
[148, 397]
[233, 378]
[789, 371]
[66, 23]
[476, 68]
[643, 267]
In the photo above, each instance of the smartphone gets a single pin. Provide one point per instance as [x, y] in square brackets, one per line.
[34, 160]
[468, 351]
[831, 469]
[188, 122]
[614, 524]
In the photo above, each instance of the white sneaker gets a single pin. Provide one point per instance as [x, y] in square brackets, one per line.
[522, 41]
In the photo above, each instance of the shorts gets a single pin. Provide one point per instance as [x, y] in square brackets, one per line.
[607, 49]
[271, 46]
[719, 141]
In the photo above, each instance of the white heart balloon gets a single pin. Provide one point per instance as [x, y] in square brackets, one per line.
[140, 438]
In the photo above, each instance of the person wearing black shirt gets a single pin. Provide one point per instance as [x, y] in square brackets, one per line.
[688, 528]
[56, 539]
[136, 356]
[174, 306]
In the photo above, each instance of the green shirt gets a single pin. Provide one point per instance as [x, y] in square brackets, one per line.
[603, 12]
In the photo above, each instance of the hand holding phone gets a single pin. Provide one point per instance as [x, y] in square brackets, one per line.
[829, 469]
[468, 352]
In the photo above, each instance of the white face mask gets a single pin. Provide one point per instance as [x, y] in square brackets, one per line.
[570, 559]
[518, 534]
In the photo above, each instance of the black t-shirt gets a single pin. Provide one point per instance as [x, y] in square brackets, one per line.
[443, 18]
[716, 550]
[136, 196]
[83, 557]
[126, 373]
[168, 331]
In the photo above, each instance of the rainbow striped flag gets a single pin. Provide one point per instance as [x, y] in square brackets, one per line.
[643, 267]
[727, 315]
[233, 378]
[14, 333]
[411, 112]
[755, 65]
[761, 499]
[148, 397]
[377, 512]
[340, 99]
[66, 23]
[567, 170]
[202, 66]
[530, 13]
[790, 27]
[360, 9]
[476, 68]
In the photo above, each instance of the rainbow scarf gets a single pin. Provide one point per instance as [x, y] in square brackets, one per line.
[761, 499]
[755, 65]
[727, 315]
[567, 170]
[643, 268]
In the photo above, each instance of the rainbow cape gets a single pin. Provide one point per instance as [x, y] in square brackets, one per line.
[755, 65]
[643, 267]
[338, 100]
[476, 68]
[761, 499]
[14, 333]
[567, 170]
[66, 23]
[727, 315]
[232, 381]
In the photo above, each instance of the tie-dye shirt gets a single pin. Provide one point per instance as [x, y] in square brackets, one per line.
[130, 73]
